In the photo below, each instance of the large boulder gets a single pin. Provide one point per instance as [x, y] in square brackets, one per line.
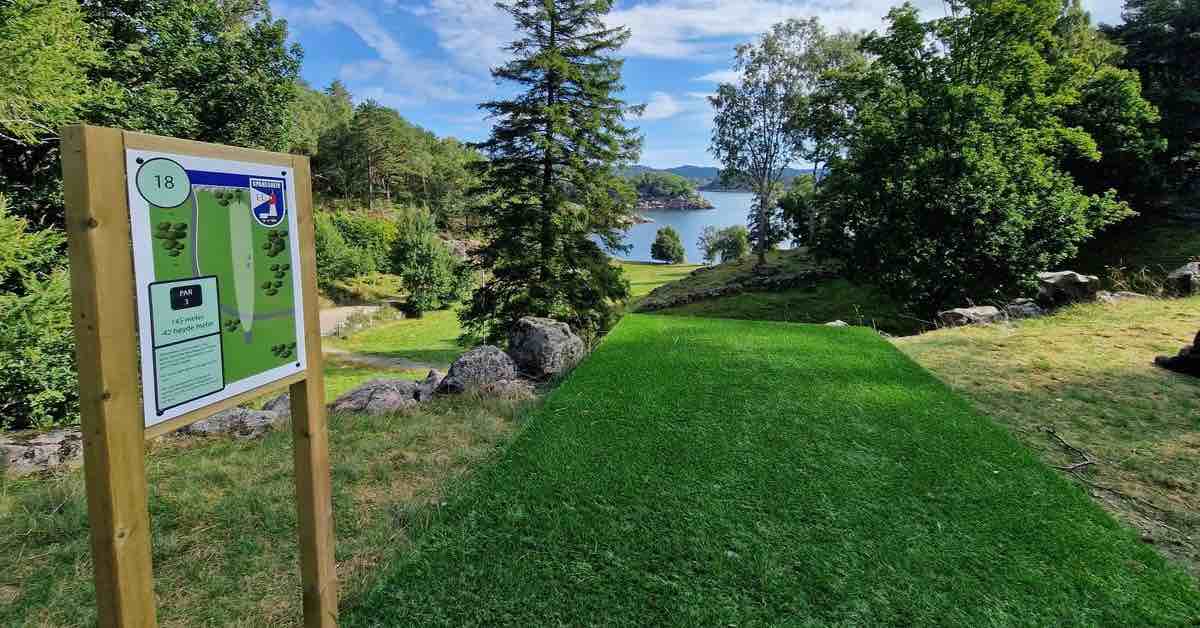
[978, 315]
[1066, 286]
[1185, 280]
[381, 396]
[477, 368]
[1187, 361]
[281, 406]
[544, 347]
[1023, 308]
[22, 455]
[238, 422]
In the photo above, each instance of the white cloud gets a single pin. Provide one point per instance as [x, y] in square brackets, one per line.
[419, 79]
[473, 32]
[661, 106]
[720, 76]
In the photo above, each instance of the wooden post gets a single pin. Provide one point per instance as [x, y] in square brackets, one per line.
[105, 318]
[314, 491]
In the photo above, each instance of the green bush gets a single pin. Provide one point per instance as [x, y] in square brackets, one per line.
[38, 384]
[372, 233]
[667, 246]
[337, 260]
[729, 244]
[431, 275]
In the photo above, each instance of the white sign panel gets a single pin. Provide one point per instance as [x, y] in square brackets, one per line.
[216, 260]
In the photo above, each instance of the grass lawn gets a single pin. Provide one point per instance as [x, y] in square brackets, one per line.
[431, 339]
[223, 515]
[705, 472]
[1086, 373]
[646, 276]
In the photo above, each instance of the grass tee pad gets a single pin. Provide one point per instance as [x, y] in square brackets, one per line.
[716, 472]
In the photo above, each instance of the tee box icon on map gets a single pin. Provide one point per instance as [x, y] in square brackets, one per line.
[266, 201]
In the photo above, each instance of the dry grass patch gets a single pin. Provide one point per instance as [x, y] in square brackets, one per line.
[223, 515]
[1087, 374]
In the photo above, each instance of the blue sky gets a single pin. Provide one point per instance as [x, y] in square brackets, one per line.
[429, 58]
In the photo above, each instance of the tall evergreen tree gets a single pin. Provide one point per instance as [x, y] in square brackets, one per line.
[553, 154]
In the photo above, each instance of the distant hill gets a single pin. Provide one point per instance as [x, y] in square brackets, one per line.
[706, 177]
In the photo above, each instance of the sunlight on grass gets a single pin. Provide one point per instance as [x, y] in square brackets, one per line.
[431, 339]
[1087, 373]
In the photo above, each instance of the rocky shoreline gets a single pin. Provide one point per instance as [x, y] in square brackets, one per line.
[675, 203]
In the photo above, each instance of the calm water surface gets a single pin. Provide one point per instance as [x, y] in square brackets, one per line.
[729, 208]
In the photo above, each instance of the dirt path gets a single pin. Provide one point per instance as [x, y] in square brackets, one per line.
[377, 361]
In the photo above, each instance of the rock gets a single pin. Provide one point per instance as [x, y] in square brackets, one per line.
[238, 421]
[1185, 280]
[281, 406]
[477, 367]
[1187, 361]
[510, 389]
[22, 455]
[431, 382]
[837, 323]
[382, 396]
[1023, 308]
[1104, 296]
[1067, 286]
[543, 347]
[978, 315]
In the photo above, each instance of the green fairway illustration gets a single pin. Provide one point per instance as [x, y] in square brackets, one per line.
[215, 233]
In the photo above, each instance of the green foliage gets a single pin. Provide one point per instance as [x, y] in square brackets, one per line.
[47, 53]
[727, 245]
[1162, 43]
[755, 135]
[209, 70]
[952, 188]
[315, 113]
[38, 387]
[662, 185]
[431, 275]
[554, 150]
[336, 259]
[667, 246]
[379, 157]
[374, 234]
[797, 209]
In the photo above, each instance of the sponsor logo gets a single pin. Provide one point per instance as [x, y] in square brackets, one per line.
[266, 201]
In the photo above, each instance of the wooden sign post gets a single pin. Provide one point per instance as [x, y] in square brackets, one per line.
[193, 277]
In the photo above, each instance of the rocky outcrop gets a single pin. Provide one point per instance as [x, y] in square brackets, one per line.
[1187, 361]
[387, 396]
[237, 422]
[978, 315]
[544, 347]
[34, 453]
[281, 406]
[477, 368]
[695, 201]
[1023, 308]
[1185, 280]
[837, 323]
[1066, 286]
[774, 279]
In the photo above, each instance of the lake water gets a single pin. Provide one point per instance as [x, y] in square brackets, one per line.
[729, 208]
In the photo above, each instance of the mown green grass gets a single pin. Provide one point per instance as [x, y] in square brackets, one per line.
[431, 339]
[1086, 373]
[703, 472]
[223, 522]
[646, 276]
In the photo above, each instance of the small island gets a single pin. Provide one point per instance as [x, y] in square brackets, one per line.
[663, 190]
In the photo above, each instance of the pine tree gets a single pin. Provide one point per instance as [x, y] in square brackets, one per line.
[553, 151]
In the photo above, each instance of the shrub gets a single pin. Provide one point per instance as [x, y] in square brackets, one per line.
[38, 384]
[372, 233]
[728, 244]
[667, 246]
[431, 275]
[336, 259]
